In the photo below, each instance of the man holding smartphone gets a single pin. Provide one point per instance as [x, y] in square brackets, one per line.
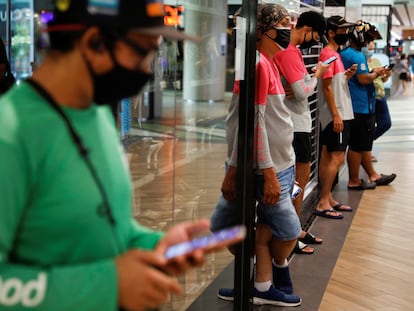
[67, 237]
[362, 91]
[299, 84]
[335, 114]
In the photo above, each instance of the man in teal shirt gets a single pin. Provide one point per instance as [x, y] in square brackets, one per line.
[67, 238]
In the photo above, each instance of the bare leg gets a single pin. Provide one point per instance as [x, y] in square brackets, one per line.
[328, 168]
[366, 162]
[302, 178]
[354, 162]
[263, 256]
[281, 250]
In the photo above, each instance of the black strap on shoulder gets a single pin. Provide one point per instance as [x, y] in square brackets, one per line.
[104, 209]
[52, 103]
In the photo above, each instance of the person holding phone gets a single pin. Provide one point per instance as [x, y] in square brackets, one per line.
[67, 237]
[382, 113]
[335, 115]
[308, 32]
[362, 91]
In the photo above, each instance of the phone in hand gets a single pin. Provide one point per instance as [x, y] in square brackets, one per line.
[329, 60]
[389, 67]
[213, 241]
[296, 191]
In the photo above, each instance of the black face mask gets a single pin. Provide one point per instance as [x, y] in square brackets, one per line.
[308, 44]
[117, 84]
[341, 39]
[282, 37]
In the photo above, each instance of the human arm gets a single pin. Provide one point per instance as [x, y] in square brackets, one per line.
[338, 124]
[386, 74]
[292, 67]
[369, 77]
[136, 268]
[350, 71]
[271, 188]
[229, 185]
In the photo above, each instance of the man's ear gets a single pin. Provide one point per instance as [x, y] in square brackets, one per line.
[94, 40]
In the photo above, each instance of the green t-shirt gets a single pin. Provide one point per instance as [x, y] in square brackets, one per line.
[57, 249]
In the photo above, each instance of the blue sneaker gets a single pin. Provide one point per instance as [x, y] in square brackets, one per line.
[226, 294]
[275, 297]
[281, 279]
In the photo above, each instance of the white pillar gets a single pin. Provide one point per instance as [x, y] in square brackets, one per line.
[205, 61]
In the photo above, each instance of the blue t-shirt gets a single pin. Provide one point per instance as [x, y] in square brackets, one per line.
[362, 95]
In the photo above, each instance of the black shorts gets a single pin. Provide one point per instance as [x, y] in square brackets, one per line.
[362, 132]
[303, 146]
[336, 141]
[403, 76]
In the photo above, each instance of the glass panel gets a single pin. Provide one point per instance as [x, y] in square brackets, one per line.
[22, 43]
[173, 132]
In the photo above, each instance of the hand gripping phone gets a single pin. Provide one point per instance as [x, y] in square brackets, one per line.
[390, 66]
[209, 243]
[296, 191]
[329, 60]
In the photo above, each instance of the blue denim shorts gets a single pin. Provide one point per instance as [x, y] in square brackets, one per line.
[281, 217]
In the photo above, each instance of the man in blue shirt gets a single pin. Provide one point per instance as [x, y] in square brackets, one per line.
[363, 103]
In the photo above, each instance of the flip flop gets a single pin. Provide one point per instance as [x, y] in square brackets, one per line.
[300, 249]
[339, 207]
[309, 238]
[325, 214]
[385, 179]
[364, 185]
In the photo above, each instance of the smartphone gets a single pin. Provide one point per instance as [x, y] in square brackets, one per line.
[296, 191]
[211, 242]
[329, 60]
[390, 66]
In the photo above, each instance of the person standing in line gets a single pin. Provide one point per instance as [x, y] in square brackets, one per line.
[308, 31]
[363, 104]
[382, 113]
[67, 237]
[278, 225]
[401, 67]
[335, 115]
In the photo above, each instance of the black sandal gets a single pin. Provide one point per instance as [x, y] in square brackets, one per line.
[309, 238]
[300, 248]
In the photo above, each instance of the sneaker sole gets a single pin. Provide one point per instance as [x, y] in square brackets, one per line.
[225, 297]
[260, 301]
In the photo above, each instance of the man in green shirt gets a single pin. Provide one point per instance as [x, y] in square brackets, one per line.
[67, 238]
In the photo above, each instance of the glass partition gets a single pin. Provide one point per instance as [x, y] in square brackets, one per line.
[174, 134]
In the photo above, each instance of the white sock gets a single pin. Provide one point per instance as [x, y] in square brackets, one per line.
[280, 266]
[263, 286]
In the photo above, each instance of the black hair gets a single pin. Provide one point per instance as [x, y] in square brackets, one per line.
[64, 41]
[312, 19]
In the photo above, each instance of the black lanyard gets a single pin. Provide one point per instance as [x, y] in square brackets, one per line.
[104, 208]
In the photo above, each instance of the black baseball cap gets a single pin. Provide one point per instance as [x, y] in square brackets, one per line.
[144, 16]
[334, 22]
